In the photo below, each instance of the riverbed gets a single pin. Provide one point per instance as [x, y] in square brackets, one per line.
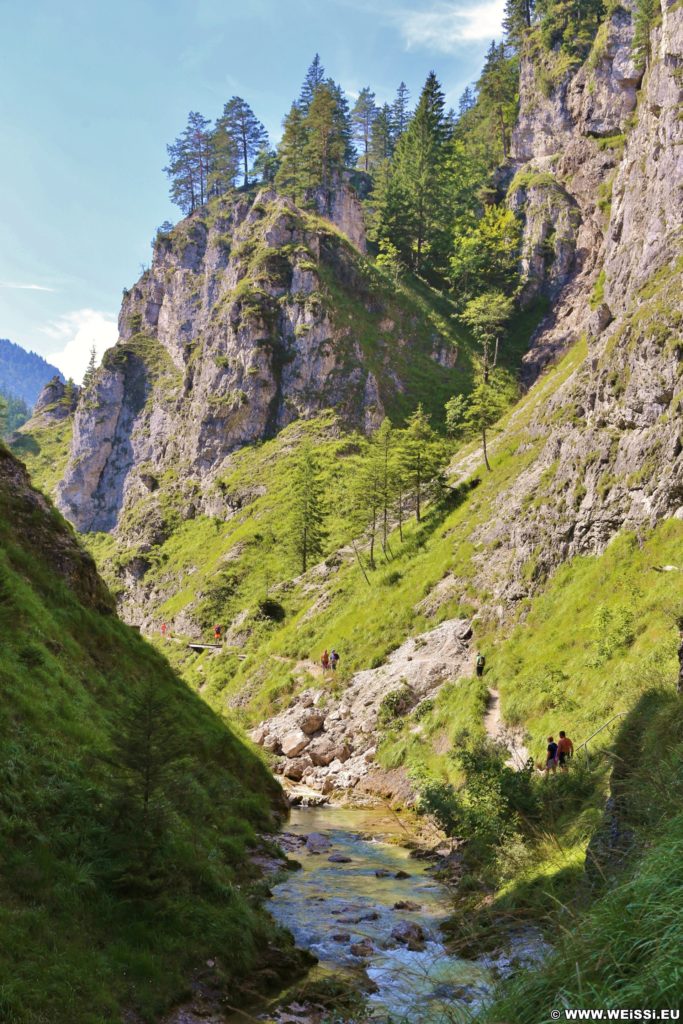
[347, 912]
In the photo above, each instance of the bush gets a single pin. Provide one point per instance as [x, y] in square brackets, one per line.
[395, 704]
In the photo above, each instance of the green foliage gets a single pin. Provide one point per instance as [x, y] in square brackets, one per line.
[395, 704]
[306, 521]
[486, 255]
[569, 25]
[14, 412]
[644, 19]
[127, 807]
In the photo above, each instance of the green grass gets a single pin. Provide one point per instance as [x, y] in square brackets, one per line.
[44, 448]
[81, 938]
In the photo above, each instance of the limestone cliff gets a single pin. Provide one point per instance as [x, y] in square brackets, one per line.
[252, 315]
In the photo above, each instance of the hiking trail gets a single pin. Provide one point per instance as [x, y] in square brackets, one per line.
[499, 732]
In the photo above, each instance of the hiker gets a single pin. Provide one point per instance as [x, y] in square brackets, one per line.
[217, 634]
[551, 758]
[334, 659]
[163, 630]
[565, 750]
[481, 661]
[325, 660]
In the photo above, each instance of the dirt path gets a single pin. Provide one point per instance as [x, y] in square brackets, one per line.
[502, 733]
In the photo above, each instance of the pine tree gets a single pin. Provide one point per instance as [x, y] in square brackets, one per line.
[466, 101]
[315, 76]
[246, 131]
[419, 457]
[188, 167]
[363, 117]
[643, 19]
[91, 370]
[266, 164]
[306, 521]
[290, 177]
[400, 112]
[342, 117]
[224, 160]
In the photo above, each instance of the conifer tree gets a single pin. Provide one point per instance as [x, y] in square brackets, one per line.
[315, 76]
[400, 112]
[224, 160]
[363, 117]
[148, 759]
[517, 20]
[643, 19]
[246, 131]
[367, 497]
[418, 186]
[342, 117]
[326, 145]
[381, 140]
[291, 174]
[188, 167]
[497, 89]
[487, 403]
[384, 441]
[419, 457]
[306, 527]
[487, 317]
[91, 370]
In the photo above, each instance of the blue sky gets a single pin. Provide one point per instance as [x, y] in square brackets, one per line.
[90, 93]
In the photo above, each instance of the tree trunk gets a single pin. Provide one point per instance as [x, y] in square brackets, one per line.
[679, 684]
[483, 442]
[495, 355]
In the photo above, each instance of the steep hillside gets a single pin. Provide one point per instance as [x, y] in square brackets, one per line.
[128, 809]
[23, 373]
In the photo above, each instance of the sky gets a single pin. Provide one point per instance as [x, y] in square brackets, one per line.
[91, 93]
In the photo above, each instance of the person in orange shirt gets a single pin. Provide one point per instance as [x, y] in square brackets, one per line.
[565, 750]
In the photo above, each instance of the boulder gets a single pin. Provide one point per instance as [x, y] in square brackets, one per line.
[311, 722]
[339, 858]
[294, 742]
[317, 843]
[364, 948]
[407, 905]
[294, 769]
[409, 934]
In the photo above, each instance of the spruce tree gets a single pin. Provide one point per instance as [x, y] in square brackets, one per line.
[246, 131]
[91, 370]
[419, 178]
[363, 117]
[517, 21]
[306, 526]
[315, 76]
[381, 139]
[498, 90]
[400, 112]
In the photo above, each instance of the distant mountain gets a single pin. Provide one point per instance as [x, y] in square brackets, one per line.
[23, 374]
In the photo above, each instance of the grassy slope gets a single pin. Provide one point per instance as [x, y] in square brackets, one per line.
[75, 943]
[44, 448]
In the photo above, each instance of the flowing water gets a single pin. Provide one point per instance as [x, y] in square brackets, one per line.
[331, 906]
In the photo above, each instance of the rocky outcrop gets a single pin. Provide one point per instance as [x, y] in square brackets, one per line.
[56, 401]
[241, 326]
[329, 744]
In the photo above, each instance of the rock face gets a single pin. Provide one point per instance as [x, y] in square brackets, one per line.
[241, 326]
[56, 401]
[339, 753]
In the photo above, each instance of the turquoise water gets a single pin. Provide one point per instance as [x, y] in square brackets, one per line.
[329, 907]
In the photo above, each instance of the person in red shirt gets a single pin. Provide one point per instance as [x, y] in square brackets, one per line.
[565, 750]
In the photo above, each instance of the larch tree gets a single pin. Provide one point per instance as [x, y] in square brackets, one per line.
[90, 370]
[306, 527]
[487, 317]
[363, 117]
[244, 128]
[419, 458]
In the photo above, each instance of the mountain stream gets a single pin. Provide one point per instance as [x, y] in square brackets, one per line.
[361, 903]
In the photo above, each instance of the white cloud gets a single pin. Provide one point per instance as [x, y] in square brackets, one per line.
[26, 287]
[448, 25]
[78, 332]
